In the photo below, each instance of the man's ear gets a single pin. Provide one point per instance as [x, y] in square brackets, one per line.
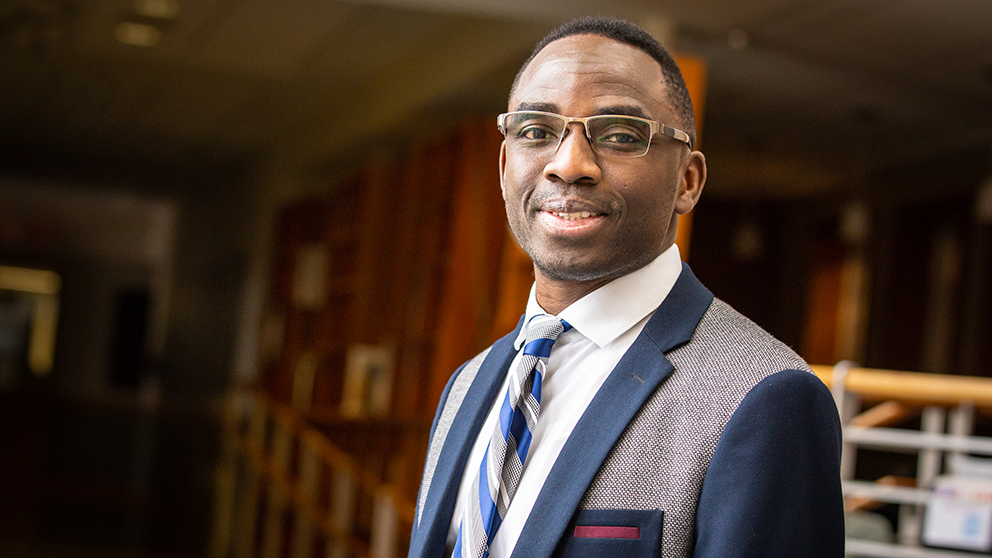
[691, 183]
[502, 168]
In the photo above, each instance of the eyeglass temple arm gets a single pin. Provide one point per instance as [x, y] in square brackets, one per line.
[677, 134]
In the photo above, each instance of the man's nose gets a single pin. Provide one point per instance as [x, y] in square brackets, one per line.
[574, 162]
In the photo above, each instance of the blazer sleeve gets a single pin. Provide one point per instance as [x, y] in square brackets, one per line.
[773, 485]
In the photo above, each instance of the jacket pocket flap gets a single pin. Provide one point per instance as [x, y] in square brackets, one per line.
[630, 533]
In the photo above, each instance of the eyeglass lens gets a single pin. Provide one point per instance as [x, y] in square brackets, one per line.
[611, 135]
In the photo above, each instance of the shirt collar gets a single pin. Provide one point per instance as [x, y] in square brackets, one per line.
[609, 311]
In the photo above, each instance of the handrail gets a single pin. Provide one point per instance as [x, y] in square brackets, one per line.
[946, 404]
[288, 460]
[916, 387]
[335, 456]
[281, 477]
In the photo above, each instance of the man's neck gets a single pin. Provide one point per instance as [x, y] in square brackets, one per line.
[556, 295]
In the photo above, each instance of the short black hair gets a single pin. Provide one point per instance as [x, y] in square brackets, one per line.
[625, 32]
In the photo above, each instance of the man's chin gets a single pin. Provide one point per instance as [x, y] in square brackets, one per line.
[577, 271]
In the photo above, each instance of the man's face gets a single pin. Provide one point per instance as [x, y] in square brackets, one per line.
[582, 216]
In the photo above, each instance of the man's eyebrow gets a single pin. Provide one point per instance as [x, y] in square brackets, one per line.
[542, 107]
[623, 110]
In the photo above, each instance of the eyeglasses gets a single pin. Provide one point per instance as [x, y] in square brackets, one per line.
[609, 134]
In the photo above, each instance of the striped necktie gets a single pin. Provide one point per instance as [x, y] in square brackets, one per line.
[498, 476]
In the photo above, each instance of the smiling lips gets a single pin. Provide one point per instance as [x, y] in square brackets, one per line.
[572, 216]
[570, 223]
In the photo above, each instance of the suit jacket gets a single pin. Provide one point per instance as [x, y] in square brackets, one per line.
[710, 438]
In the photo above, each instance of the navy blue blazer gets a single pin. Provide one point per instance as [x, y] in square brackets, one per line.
[772, 487]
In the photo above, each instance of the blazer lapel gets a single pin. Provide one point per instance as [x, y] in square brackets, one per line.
[638, 374]
[432, 532]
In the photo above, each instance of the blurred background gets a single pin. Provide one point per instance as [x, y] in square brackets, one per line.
[213, 207]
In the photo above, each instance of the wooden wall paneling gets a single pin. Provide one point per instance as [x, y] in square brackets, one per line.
[516, 276]
[823, 302]
[694, 70]
[477, 229]
[334, 321]
[421, 239]
[328, 384]
[487, 187]
[424, 291]
[405, 285]
[375, 229]
[289, 235]
[300, 225]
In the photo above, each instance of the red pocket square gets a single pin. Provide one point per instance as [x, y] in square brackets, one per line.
[606, 532]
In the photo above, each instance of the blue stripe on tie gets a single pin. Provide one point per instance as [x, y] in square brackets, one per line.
[540, 347]
[497, 521]
[523, 444]
[487, 506]
[518, 429]
[457, 552]
[505, 415]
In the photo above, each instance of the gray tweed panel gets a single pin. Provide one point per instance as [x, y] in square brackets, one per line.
[455, 397]
[727, 356]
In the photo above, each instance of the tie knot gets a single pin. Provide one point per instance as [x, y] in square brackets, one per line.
[542, 331]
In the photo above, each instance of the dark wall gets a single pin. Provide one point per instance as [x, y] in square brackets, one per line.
[105, 469]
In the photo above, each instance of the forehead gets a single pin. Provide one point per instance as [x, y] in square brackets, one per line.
[583, 72]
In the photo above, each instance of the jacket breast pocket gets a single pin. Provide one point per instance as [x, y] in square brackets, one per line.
[611, 533]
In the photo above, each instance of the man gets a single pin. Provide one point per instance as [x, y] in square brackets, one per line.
[631, 413]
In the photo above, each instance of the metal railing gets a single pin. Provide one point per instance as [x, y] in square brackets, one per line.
[946, 406]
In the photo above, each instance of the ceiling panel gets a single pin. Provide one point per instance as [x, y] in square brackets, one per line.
[269, 38]
[377, 40]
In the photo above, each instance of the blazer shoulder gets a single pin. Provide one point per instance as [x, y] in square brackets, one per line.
[726, 339]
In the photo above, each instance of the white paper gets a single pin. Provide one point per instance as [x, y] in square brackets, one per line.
[959, 514]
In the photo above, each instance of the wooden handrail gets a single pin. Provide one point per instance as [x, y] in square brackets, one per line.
[289, 458]
[282, 478]
[335, 457]
[913, 387]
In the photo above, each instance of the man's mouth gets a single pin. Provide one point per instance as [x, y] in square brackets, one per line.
[572, 216]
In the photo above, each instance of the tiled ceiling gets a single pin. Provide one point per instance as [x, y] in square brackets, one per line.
[813, 92]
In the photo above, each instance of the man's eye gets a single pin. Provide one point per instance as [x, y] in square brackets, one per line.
[620, 137]
[535, 133]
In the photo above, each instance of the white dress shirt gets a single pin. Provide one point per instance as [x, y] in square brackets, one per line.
[604, 323]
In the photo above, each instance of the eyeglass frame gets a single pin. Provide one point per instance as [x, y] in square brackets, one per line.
[654, 126]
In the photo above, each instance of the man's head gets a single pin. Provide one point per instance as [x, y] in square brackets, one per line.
[628, 33]
[587, 217]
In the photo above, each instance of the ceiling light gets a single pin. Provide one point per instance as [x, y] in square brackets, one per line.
[738, 38]
[157, 9]
[29, 280]
[137, 34]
